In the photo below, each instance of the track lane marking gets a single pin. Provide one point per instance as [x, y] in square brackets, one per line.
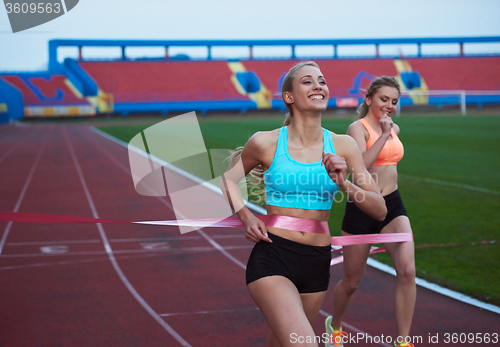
[9, 152]
[111, 256]
[23, 192]
[450, 184]
[211, 311]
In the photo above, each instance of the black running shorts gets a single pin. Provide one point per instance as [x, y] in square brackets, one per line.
[308, 267]
[357, 222]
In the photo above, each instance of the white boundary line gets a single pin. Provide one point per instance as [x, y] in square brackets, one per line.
[376, 264]
[21, 196]
[207, 312]
[437, 288]
[450, 184]
[9, 152]
[111, 256]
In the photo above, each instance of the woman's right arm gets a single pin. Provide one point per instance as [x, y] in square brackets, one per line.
[248, 159]
[363, 190]
[357, 131]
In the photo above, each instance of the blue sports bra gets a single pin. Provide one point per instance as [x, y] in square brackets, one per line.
[293, 184]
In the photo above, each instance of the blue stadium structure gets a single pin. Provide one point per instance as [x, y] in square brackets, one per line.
[179, 83]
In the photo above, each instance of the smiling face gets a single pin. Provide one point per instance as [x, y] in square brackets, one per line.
[384, 102]
[310, 92]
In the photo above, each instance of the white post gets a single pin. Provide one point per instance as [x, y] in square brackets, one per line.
[398, 108]
[462, 102]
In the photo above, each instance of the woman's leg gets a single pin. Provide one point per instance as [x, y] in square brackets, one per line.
[287, 312]
[403, 258]
[311, 302]
[355, 257]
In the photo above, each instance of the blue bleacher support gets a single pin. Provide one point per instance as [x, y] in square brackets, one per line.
[11, 96]
[80, 78]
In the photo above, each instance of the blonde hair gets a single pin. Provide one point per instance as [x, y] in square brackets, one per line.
[384, 81]
[254, 179]
[287, 86]
[256, 175]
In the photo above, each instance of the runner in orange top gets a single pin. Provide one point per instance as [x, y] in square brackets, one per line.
[377, 138]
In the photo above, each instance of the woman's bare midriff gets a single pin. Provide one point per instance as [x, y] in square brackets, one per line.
[298, 236]
[386, 178]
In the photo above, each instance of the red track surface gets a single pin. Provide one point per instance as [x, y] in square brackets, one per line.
[62, 286]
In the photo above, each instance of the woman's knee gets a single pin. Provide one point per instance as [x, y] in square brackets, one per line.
[406, 273]
[351, 284]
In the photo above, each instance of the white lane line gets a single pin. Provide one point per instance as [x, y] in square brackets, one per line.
[436, 288]
[208, 238]
[207, 312]
[219, 247]
[450, 184]
[40, 243]
[21, 196]
[371, 262]
[157, 239]
[27, 266]
[9, 152]
[26, 136]
[111, 256]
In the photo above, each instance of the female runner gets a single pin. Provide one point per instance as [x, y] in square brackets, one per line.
[377, 137]
[303, 165]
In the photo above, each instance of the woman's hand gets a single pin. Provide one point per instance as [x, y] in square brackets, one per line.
[336, 167]
[386, 124]
[256, 230]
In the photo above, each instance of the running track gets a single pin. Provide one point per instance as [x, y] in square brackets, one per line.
[135, 285]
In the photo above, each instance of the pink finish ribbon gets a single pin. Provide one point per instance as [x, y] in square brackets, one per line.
[282, 222]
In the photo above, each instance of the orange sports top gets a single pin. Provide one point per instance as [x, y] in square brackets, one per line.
[393, 150]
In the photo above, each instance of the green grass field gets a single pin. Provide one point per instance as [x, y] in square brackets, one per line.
[448, 181]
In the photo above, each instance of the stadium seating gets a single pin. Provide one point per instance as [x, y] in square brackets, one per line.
[341, 75]
[169, 81]
[186, 85]
[468, 73]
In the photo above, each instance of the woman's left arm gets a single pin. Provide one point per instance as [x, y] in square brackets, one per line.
[396, 128]
[362, 190]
